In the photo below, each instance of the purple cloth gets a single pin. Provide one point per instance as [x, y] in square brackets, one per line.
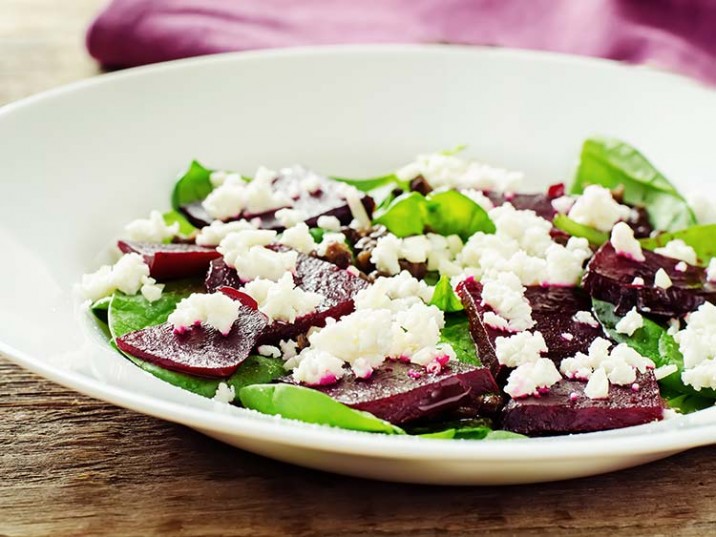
[674, 34]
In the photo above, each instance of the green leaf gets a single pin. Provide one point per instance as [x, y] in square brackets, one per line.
[473, 433]
[454, 151]
[366, 185]
[654, 342]
[566, 224]
[686, 403]
[130, 313]
[317, 233]
[175, 217]
[310, 406]
[193, 186]
[456, 332]
[444, 296]
[446, 213]
[701, 238]
[613, 163]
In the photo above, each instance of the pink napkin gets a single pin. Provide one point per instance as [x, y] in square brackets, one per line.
[673, 34]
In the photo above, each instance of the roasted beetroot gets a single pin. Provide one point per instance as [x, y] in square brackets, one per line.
[221, 275]
[553, 310]
[401, 393]
[566, 409]
[200, 350]
[323, 197]
[610, 277]
[539, 203]
[172, 261]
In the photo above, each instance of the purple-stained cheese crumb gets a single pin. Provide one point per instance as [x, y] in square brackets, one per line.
[172, 261]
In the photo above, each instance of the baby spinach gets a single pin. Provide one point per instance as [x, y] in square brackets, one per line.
[310, 406]
[175, 217]
[446, 213]
[575, 229]
[444, 296]
[193, 186]
[473, 433]
[701, 238]
[366, 185]
[613, 164]
[456, 332]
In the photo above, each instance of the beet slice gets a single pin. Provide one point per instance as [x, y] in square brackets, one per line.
[400, 393]
[610, 277]
[326, 200]
[553, 309]
[539, 203]
[560, 412]
[220, 275]
[201, 350]
[172, 261]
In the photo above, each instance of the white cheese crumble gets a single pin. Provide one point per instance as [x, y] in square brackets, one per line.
[506, 296]
[532, 378]
[327, 240]
[269, 350]
[662, 280]
[219, 177]
[216, 310]
[520, 348]
[224, 393]
[152, 229]
[681, 266]
[290, 217]
[678, 249]
[638, 281]
[598, 209]
[394, 293]
[563, 204]
[281, 300]
[630, 323]
[245, 252]
[586, 317]
[664, 371]
[711, 270]
[355, 204]
[130, 275]
[213, 234]
[236, 196]
[299, 238]
[329, 223]
[317, 368]
[598, 385]
[625, 244]
[697, 342]
[479, 197]
[450, 171]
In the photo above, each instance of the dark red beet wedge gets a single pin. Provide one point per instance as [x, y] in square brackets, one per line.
[397, 396]
[553, 310]
[325, 200]
[539, 203]
[610, 277]
[560, 412]
[172, 261]
[201, 350]
[221, 275]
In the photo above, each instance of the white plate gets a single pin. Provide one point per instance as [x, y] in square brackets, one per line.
[79, 162]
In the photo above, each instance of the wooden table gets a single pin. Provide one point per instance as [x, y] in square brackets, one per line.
[70, 465]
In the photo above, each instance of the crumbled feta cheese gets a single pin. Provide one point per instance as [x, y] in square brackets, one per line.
[245, 252]
[362, 368]
[355, 204]
[664, 371]
[328, 239]
[586, 317]
[697, 342]
[662, 280]
[224, 393]
[329, 223]
[152, 229]
[299, 238]
[281, 300]
[289, 349]
[711, 270]
[233, 198]
[520, 348]
[681, 266]
[479, 197]
[598, 385]
[128, 275]
[565, 264]
[506, 296]
[219, 177]
[216, 310]
[290, 217]
[318, 368]
[625, 244]
[529, 231]
[151, 290]
[630, 323]
[434, 358]
[311, 183]
[678, 249]
[674, 326]
[598, 209]
[213, 234]
[386, 254]
[567, 336]
[637, 281]
[704, 207]
[269, 351]
[532, 378]
[393, 293]
[563, 204]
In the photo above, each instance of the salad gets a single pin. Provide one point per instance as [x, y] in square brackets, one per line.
[437, 300]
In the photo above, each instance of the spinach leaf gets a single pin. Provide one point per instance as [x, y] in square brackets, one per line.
[100, 308]
[366, 185]
[473, 433]
[456, 332]
[185, 227]
[654, 342]
[310, 406]
[566, 224]
[444, 296]
[613, 163]
[684, 402]
[193, 186]
[701, 238]
[446, 213]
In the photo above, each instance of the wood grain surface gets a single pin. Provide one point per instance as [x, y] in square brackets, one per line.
[72, 466]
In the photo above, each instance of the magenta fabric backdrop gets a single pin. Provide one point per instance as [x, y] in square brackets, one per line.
[674, 34]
